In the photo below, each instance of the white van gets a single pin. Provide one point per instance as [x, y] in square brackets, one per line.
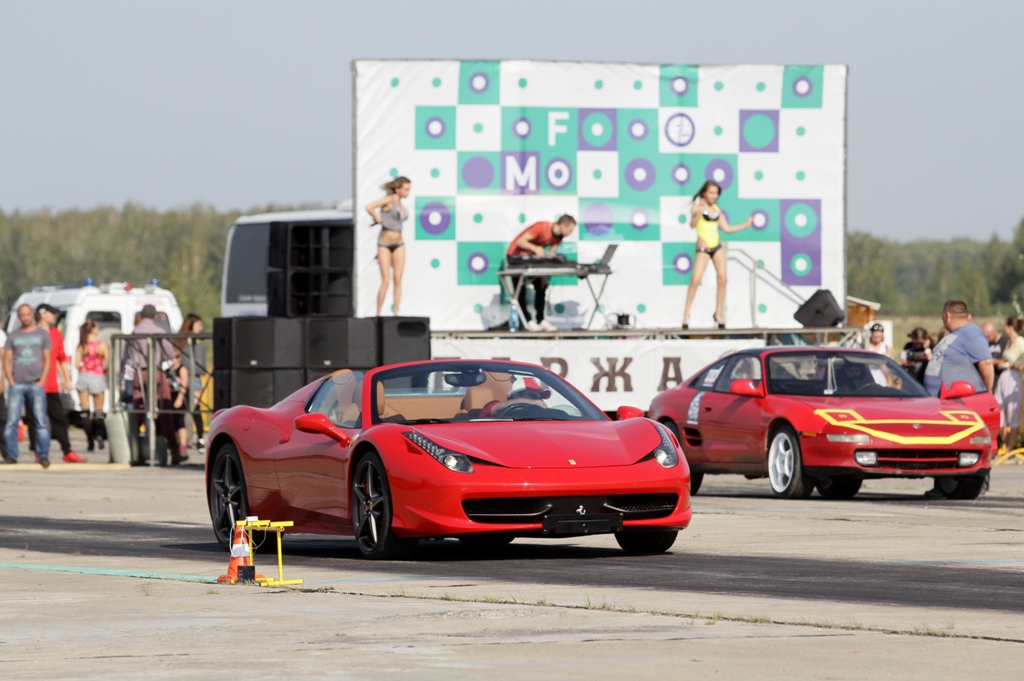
[244, 284]
[112, 306]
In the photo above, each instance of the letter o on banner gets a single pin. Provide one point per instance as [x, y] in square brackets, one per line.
[559, 173]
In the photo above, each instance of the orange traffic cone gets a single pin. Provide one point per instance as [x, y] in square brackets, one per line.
[239, 557]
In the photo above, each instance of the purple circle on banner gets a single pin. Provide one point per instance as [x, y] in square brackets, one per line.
[521, 128]
[803, 86]
[679, 85]
[435, 218]
[637, 129]
[681, 174]
[477, 172]
[478, 82]
[682, 263]
[760, 219]
[639, 219]
[434, 127]
[720, 171]
[679, 129]
[559, 173]
[597, 219]
[640, 174]
[477, 263]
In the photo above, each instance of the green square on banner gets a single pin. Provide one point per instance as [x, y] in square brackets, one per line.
[765, 212]
[802, 86]
[435, 218]
[479, 82]
[531, 128]
[480, 261]
[678, 86]
[479, 172]
[695, 169]
[435, 127]
[638, 132]
[569, 250]
[633, 219]
[677, 262]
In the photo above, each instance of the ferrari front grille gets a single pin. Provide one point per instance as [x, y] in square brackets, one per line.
[917, 459]
[521, 510]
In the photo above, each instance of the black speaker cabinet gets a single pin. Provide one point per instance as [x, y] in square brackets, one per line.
[254, 387]
[310, 269]
[311, 245]
[257, 343]
[403, 339]
[821, 309]
[341, 343]
[309, 293]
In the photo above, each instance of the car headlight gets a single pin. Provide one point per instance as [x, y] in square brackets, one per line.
[968, 459]
[981, 440]
[854, 438]
[665, 453]
[866, 458]
[451, 460]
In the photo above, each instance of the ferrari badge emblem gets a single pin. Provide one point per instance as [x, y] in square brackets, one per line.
[580, 510]
[572, 462]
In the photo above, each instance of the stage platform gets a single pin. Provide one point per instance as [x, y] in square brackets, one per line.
[628, 366]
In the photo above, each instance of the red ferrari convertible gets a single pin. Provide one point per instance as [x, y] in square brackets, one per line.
[485, 451]
[828, 418]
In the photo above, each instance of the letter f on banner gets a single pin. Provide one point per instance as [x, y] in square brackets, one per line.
[554, 127]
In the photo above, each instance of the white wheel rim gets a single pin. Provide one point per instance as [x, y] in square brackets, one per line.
[781, 459]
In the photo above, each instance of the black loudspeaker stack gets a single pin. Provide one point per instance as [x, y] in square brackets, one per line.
[309, 269]
[259, 361]
[821, 309]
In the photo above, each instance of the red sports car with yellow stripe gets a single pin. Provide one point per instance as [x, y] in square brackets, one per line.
[828, 418]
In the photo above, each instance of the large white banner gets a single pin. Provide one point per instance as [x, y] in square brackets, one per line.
[492, 147]
[611, 372]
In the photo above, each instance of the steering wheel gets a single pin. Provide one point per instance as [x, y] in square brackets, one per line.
[514, 407]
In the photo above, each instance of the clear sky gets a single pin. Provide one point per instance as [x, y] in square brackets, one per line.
[239, 104]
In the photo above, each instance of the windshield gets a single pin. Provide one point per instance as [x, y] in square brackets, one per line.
[452, 392]
[839, 374]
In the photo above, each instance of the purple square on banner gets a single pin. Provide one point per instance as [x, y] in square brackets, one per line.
[520, 172]
[801, 241]
[597, 131]
[759, 130]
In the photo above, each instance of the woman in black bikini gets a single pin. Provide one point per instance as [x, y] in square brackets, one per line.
[706, 217]
[390, 247]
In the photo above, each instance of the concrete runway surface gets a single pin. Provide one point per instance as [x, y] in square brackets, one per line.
[106, 574]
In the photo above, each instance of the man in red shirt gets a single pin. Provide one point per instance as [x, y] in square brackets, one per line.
[540, 239]
[59, 367]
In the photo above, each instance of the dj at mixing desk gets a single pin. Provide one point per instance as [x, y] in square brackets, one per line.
[520, 267]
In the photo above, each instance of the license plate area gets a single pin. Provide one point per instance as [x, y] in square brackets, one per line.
[593, 523]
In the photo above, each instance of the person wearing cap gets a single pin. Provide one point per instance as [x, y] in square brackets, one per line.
[58, 381]
[877, 343]
[165, 357]
[26, 365]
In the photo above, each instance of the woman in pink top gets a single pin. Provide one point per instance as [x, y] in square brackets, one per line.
[91, 359]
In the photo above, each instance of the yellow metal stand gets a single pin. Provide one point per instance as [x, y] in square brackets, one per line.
[1014, 455]
[278, 528]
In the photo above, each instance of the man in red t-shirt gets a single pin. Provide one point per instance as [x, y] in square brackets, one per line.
[540, 239]
[59, 366]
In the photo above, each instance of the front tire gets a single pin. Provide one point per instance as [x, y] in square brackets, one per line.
[228, 497]
[785, 465]
[372, 513]
[966, 489]
[839, 489]
[646, 543]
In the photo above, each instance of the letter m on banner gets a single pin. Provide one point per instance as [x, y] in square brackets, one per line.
[519, 172]
[612, 374]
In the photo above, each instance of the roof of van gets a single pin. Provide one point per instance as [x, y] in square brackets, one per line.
[295, 216]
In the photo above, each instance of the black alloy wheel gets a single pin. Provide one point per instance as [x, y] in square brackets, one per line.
[372, 513]
[843, 488]
[696, 478]
[646, 543]
[228, 501]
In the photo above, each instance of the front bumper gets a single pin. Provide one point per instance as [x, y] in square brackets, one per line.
[824, 459]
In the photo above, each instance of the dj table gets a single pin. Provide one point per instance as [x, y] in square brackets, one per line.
[519, 267]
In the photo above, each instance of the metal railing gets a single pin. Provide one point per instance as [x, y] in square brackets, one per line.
[138, 358]
[846, 336]
[756, 268]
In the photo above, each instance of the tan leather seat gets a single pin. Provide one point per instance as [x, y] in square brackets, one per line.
[495, 387]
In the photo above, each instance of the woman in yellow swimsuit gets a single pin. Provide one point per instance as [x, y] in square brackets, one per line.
[707, 219]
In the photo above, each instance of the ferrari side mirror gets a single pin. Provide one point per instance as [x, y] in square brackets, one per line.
[623, 413]
[957, 390]
[320, 424]
[745, 387]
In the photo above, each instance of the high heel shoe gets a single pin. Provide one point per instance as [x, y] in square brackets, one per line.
[721, 325]
[686, 327]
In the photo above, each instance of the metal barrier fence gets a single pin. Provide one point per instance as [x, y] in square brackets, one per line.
[140, 363]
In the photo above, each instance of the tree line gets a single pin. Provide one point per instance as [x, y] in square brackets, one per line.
[184, 249]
